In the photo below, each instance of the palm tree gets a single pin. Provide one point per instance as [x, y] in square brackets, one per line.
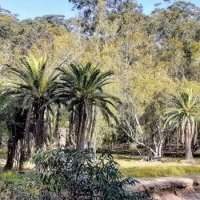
[81, 88]
[183, 114]
[34, 87]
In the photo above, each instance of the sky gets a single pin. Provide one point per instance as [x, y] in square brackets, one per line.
[34, 8]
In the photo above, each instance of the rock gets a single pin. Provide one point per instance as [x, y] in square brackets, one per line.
[166, 196]
[196, 180]
[171, 188]
[162, 184]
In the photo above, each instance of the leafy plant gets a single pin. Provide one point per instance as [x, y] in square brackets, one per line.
[82, 176]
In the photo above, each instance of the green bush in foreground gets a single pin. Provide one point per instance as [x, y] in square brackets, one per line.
[82, 176]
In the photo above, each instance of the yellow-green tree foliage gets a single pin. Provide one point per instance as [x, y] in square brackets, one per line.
[148, 54]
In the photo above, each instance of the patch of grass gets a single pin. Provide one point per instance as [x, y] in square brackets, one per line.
[169, 167]
[160, 171]
[12, 178]
[28, 181]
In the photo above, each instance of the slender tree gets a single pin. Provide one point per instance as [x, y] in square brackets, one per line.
[81, 88]
[183, 114]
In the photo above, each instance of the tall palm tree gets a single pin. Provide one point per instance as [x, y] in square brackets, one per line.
[34, 87]
[81, 88]
[183, 114]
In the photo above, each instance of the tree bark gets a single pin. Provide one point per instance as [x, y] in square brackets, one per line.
[71, 137]
[56, 133]
[1, 138]
[39, 129]
[12, 145]
[22, 158]
[81, 128]
[188, 149]
[188, 142]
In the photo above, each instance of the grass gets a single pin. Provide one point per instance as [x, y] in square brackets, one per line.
[23, 181]
[133, 167]
[160, 171]
[27, 181]
[12, 178]
[129, 166]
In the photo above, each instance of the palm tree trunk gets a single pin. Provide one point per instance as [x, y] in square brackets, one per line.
[188, 142]
[12, 145]
[81, 128]
[27, 132]
[188, 149]
[25, 148]
[22, 158]
[71, 136]
[92, 139]
[39, 129]
[89, 126]
[1, 138]
[56, 130]
[49, 127]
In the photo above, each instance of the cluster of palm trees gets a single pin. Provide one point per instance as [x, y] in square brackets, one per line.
[35, 92]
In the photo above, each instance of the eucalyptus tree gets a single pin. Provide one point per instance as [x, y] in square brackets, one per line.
[34, 87]
[176, 34]
[182, 114]
[82, 89]
[91, 12]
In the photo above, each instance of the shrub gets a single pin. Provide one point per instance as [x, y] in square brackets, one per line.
[82, 176]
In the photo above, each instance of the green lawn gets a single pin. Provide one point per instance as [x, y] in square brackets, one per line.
[134, 167]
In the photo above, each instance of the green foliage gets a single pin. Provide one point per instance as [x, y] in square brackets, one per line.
[182, 115]
[85, 84]
[82, 89]
[183, 109]
[33, 89]
[21, 186]
[81, 175]
[32, 85]
[149, 55]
